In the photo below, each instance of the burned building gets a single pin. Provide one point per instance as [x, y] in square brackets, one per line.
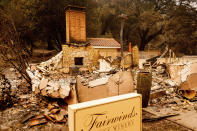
[80, 51]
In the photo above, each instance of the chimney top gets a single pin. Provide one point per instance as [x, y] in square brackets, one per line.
[78, 8]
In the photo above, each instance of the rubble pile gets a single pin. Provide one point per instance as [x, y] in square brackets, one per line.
[6, 94]
[168, 91]
[94, 79]
[12, 85]
[163, 87]
[48, 80]
[107, 64]
[52, 80]
[188, 77]
[107, 67]
[53, 113]
[184, 74]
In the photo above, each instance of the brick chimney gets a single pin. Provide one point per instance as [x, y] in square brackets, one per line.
[75, 24]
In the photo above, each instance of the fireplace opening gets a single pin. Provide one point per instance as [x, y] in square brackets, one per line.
[78, 60]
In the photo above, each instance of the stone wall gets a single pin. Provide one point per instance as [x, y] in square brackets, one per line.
[70, 52]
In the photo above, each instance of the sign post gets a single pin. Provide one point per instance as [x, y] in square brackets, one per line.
[118, 113]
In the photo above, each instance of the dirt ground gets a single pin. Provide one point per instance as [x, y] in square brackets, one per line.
[162, 125]
[15, 115]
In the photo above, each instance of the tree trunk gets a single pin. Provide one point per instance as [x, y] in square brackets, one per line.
[50, 46]
[121, 37]
[142, 46]
[145, 38]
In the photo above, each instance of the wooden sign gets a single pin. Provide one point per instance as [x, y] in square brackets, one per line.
[118, 113]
